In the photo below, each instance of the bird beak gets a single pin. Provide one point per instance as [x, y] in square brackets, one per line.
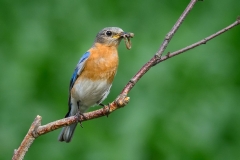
[123, 35]
[119, 35]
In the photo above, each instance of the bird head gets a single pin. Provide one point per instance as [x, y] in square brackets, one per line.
[110, 36]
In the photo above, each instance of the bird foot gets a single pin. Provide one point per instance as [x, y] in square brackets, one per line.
[79, 114]
[108, 108]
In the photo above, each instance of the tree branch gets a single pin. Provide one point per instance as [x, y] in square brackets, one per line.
[28, 140]
[203, 41]
[169, 36]
[37, 130]
[159, 53]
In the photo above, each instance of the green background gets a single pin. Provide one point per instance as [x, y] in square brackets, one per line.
[185, 108]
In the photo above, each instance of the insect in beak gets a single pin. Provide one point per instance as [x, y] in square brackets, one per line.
[126, 36]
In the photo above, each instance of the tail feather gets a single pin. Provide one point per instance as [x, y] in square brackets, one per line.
[67, 133]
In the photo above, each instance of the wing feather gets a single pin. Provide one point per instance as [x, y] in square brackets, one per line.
[76, 73]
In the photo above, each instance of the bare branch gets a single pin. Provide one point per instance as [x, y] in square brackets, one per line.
[37, 130]
[122, 100]
[159, 53]
[27, 141]
[203, 41]
[105, 111]
[169, 36]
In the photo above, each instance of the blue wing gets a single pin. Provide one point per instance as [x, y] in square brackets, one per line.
[78, 69]
[75, 75]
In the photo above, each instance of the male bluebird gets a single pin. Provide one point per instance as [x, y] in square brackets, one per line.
[93, 76]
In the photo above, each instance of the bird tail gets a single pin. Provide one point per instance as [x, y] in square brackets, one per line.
[67, 133]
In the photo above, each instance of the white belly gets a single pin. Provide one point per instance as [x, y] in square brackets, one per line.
[88, 93]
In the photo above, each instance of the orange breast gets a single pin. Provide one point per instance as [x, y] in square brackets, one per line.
[102, 63]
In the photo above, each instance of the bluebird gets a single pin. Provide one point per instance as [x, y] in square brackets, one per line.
[93, 76]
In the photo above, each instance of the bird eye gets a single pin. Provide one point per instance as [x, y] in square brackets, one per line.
[108, 33]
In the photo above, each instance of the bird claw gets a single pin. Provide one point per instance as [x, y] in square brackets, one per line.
[108, 108]
[78, 115]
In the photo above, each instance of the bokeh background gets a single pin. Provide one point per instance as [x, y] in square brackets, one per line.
[185, 108]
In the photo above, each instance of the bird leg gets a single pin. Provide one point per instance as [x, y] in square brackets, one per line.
[79, 114]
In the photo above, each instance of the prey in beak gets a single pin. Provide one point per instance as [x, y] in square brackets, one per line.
[126, 36]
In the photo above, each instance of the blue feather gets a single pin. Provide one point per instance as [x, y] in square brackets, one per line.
[75, 75]
[78, 69]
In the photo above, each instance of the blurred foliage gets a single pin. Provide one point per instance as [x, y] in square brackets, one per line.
[187, 107]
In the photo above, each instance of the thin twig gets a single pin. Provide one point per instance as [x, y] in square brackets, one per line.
[203, 41]
[159, 53]
[169, 36]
